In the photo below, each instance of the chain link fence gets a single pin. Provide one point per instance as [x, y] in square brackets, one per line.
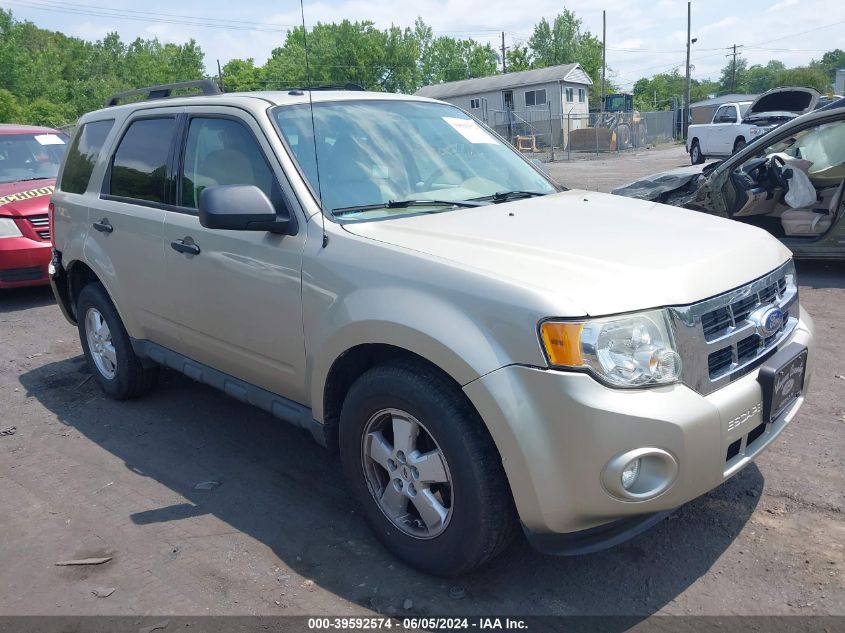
[558, 137]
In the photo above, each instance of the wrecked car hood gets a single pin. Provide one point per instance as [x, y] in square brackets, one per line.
[786, 102]
[661, 185]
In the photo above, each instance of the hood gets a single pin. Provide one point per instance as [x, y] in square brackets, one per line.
[26, 197]
[601, 252]
[784, 101]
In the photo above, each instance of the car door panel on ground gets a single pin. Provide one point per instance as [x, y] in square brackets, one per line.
[128, 224]
[237, 294]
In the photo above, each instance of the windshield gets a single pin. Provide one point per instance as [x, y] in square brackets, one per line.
[377, 153]
[743, 107]
[30, 156]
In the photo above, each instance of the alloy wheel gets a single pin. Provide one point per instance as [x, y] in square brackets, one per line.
[100, 343]
[407, 473]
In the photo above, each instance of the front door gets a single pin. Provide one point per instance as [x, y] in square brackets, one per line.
[238, 298]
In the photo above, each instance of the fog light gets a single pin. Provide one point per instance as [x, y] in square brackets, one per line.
[640, 474]
[630, 473]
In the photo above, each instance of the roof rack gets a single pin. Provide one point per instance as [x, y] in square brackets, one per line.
[206, 87]
[346, 86]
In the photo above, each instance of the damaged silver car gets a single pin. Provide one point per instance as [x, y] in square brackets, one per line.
[789, 182]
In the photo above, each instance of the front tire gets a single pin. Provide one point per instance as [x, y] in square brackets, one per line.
[424, 469]
[107, 347]
[739, 145]
[695, 155]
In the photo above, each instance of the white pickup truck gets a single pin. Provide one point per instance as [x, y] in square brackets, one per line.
[735, 124]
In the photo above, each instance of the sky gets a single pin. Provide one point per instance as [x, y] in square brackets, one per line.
[644, 37]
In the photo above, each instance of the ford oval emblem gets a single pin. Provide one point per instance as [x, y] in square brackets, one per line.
[771, 320]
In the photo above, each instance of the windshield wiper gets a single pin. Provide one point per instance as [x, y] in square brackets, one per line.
[33, 178]
[502, 196]
[404, 204]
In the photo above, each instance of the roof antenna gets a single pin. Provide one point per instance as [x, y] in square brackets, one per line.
[313, 127]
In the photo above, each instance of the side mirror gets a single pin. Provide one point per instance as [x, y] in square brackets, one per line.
[242, 208]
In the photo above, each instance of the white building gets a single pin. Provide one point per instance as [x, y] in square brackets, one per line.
[521, 99]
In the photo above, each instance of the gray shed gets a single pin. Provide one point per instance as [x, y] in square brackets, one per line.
[523, 97]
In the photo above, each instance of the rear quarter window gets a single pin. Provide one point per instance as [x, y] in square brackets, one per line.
[82, 155]
[139, 167]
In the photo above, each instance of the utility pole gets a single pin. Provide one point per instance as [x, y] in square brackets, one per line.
[733, 67]
[687, 91]
[504, 55]
[603, 55]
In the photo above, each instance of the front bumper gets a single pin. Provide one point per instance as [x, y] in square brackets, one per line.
[557, 430]
[23, 262]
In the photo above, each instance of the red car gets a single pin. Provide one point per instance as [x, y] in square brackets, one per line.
[29, 161]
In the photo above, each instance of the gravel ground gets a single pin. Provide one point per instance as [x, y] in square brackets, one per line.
[608, 171]
[84, 476]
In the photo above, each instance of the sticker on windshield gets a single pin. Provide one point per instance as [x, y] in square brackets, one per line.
[49, 139]
[470, 130]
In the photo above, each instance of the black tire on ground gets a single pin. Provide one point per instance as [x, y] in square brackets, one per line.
[739, 145]
[483, 518]
[695, 155]
[131, 379]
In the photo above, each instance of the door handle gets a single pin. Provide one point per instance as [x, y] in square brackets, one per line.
[103, 226]
[182, 246]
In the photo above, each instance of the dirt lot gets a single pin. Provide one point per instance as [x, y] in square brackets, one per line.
[84, 476]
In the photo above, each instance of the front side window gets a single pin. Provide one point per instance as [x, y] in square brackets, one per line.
[30, 156]
[139, 167]
[221, 152]
[726, 114]
[376, 152]
[82, 155]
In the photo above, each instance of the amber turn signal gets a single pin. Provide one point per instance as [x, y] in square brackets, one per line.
[563, 343]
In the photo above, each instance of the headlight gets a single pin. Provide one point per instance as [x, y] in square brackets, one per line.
[635, 350]
[8, 228]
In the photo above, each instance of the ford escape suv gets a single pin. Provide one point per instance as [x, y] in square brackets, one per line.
[483, 348]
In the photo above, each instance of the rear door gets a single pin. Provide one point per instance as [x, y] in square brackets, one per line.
[238, 300]
[124, 242]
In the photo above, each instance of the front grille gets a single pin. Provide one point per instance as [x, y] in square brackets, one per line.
[21, 274]
[41, 224]
[722, 338]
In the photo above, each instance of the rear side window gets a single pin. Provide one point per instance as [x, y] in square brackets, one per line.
[82, 155]
[139, 168]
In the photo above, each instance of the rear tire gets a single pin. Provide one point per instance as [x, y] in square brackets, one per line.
[695, 155]
[474, 516]
[108, 348]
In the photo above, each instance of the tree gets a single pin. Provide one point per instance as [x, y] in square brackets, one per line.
[759, 78]
[518, 58]
[830, 62]
[564, 42]
[10, 109]
[810, 77]
[734, 76]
